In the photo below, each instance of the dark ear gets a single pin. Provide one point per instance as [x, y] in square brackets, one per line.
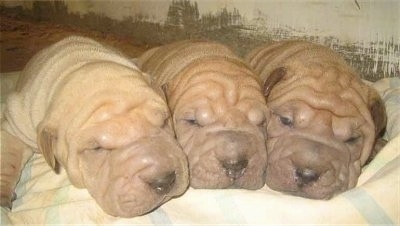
[378, 112]
[46, 142]
[273, 79]
[378, 145]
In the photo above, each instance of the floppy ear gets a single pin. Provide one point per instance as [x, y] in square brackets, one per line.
[378, 111]
[273, 79]
[46, 142]
[378, 145]
[378, 114]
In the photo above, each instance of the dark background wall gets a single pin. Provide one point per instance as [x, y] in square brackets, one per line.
[366, 33]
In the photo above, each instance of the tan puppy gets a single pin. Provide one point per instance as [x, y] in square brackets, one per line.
[219, 112]
[92, 111]
[324, 121]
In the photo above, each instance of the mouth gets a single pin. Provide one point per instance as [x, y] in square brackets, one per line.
[132, 195]
[134, 201]
[306, 182]
[212, 174]
[316, 196]
[318, 192]
[227, 159]
[309, 168]
[131, 205]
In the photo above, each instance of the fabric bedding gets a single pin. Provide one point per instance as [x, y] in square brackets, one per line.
[44, 197]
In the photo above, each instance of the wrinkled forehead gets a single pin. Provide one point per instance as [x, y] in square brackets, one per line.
[322, 71]
[219, 89]
[107, 102]
[321, 87]
[118, 105]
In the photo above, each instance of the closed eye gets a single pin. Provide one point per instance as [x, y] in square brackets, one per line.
[286, 121]
[99, 149]
[95, 147]
[192, 122]
[96, 151]
[353, 139]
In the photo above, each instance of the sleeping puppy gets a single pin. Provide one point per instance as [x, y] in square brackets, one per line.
[218, 111]
[324, 123]
[90, 110]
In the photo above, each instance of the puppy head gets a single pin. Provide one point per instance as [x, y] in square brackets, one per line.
[113, 135]
[323, 127]
[219, 115]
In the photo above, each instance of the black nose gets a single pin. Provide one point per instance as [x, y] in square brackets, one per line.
[163, 184]
[235, 169]
[305, 176]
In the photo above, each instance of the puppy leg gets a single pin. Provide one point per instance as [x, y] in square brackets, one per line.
[14, 155]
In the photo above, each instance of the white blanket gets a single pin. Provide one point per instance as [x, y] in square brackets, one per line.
[47, 198]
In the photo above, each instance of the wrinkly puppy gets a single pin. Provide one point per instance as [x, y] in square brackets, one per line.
[324, 121]
[218, 109]
[91, 110]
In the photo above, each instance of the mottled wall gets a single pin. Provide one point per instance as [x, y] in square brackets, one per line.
[367, 33]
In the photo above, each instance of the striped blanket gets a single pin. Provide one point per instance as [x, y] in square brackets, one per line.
[47, 198]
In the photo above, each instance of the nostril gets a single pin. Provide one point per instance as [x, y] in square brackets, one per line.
[235, 169]
[306, 176]
[163, 184]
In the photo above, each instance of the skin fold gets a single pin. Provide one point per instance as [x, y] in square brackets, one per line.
[219, 112]
[324, 120]
[91, 111]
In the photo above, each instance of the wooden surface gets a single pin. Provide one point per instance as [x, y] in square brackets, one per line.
[20, 40]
